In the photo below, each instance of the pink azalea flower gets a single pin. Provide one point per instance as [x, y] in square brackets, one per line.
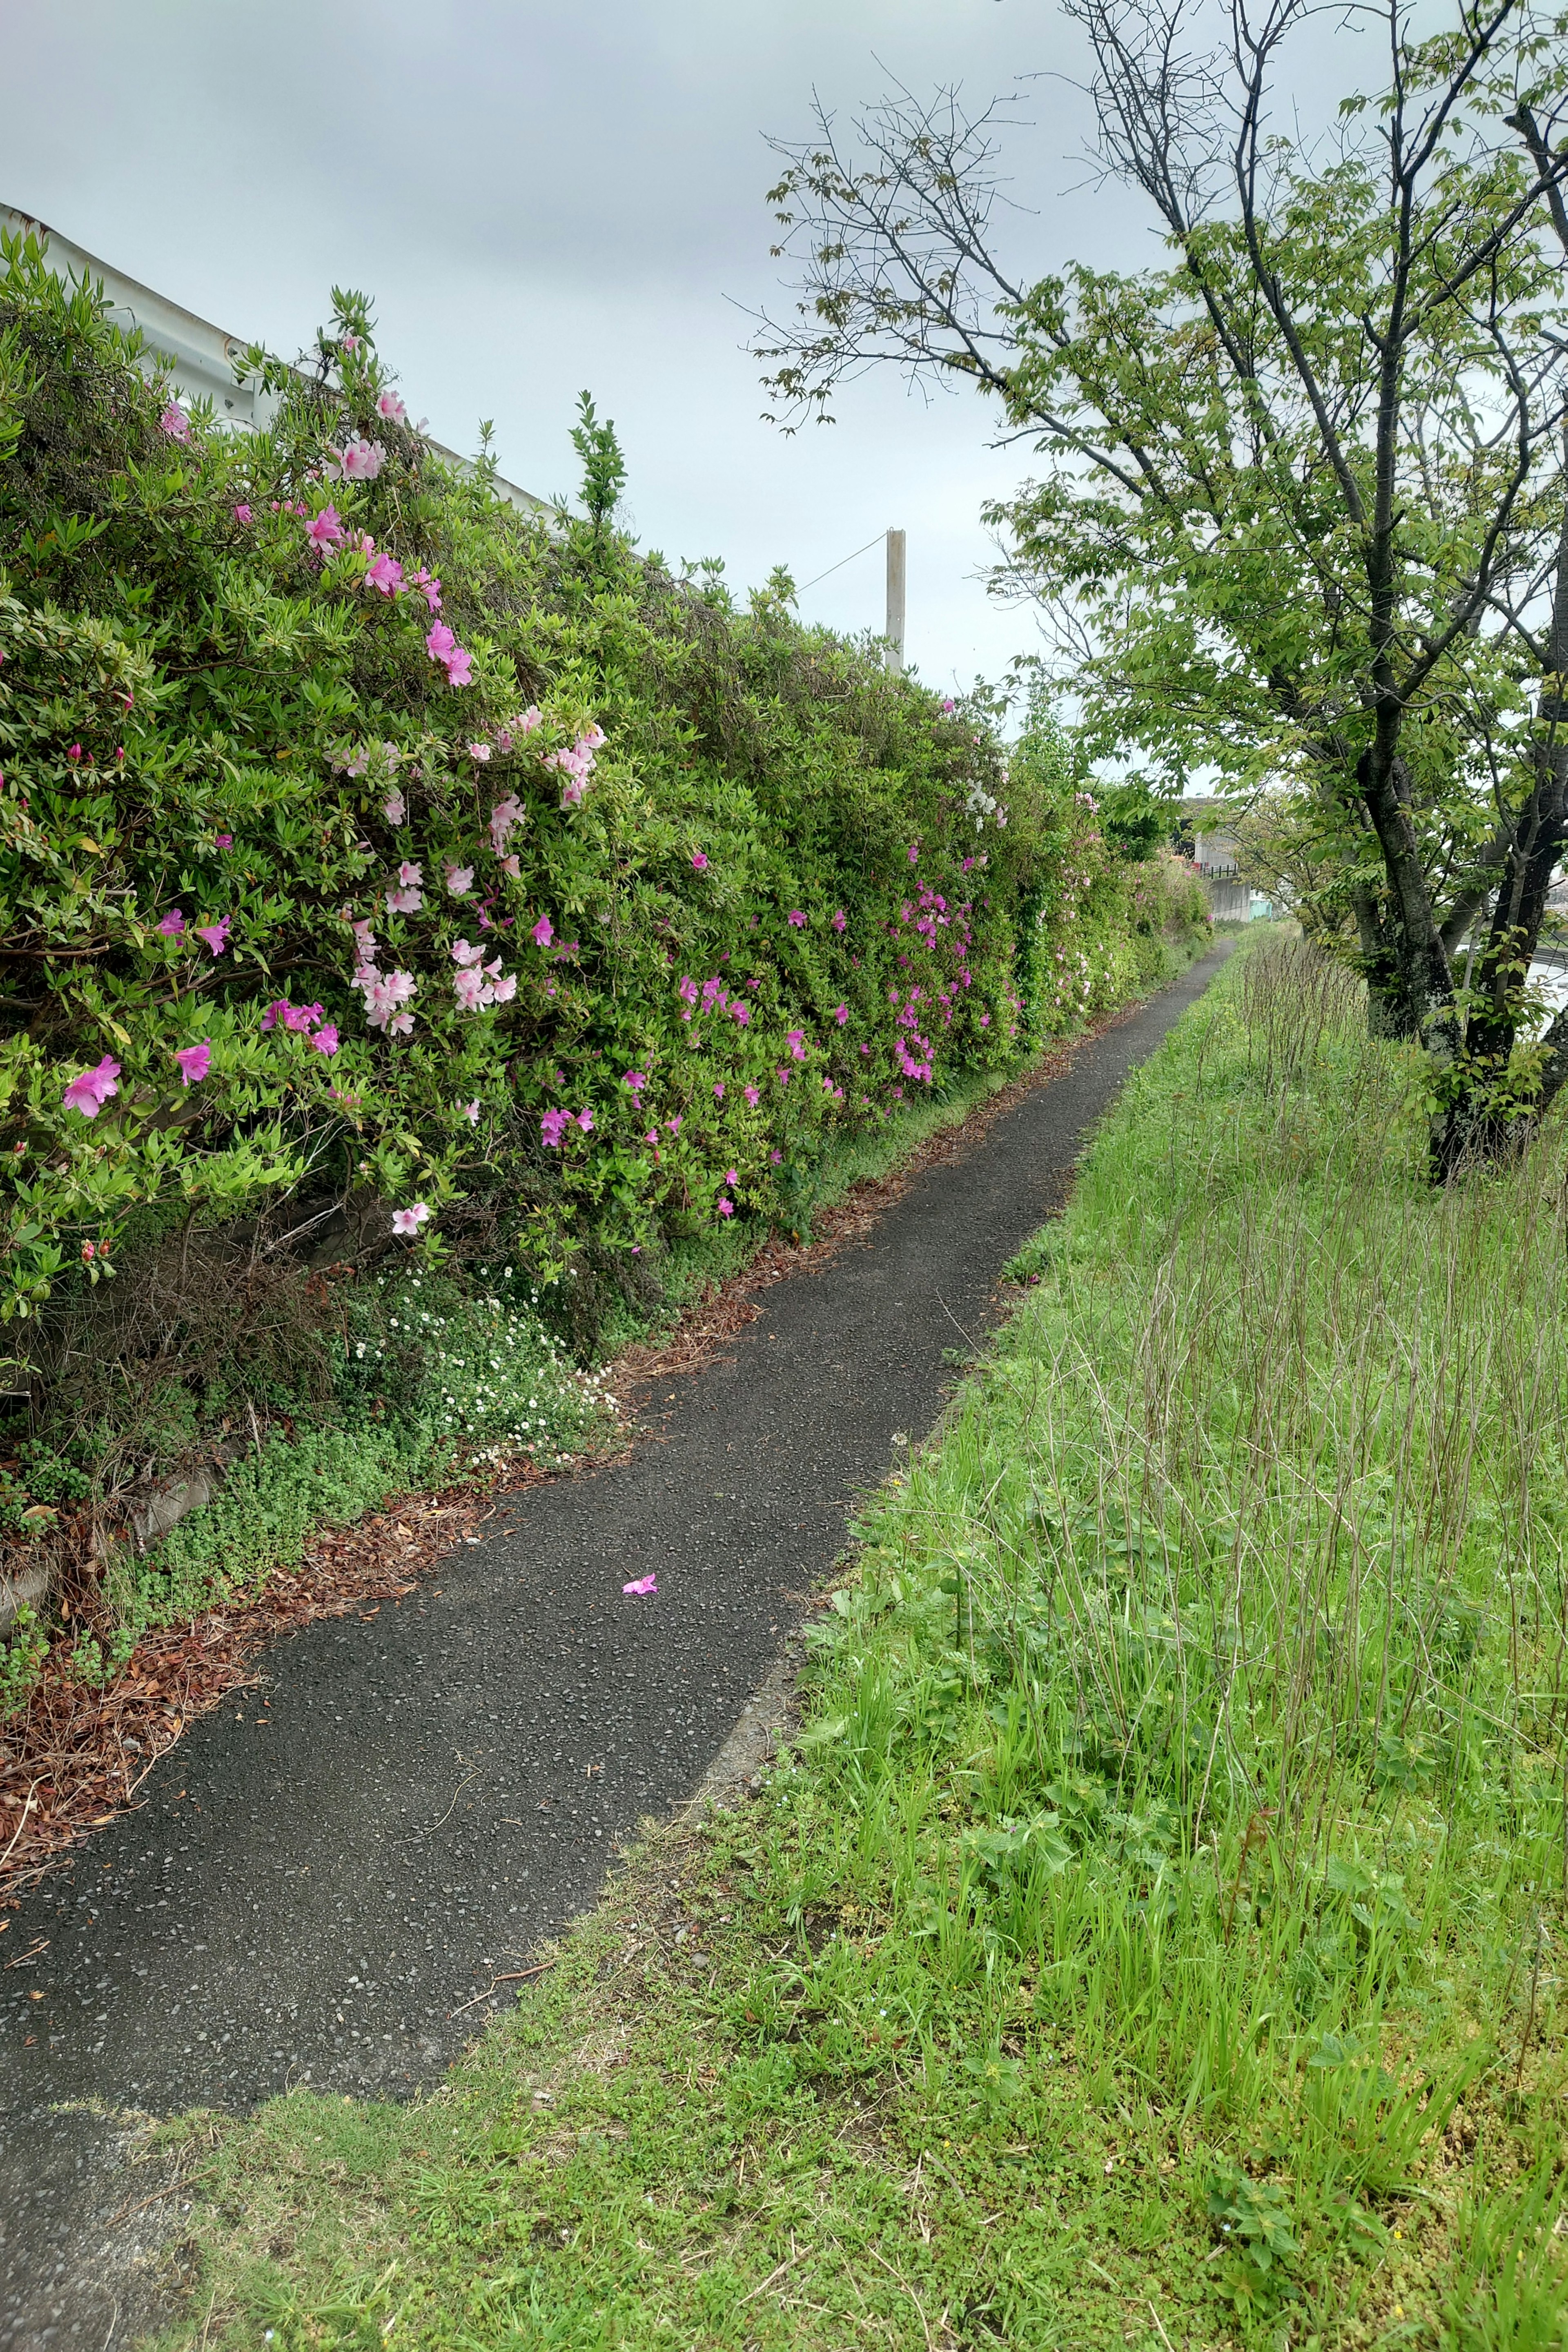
[553, 1126]
[463, 953]
[841, 1014]
[459, 880]
[429, 587]
[479, 751]
[390, 406]
[543, 932]
[512, 865]
[699, 863]
[529, 719]
[718, 1089]
[74, 754]
[505, 988]
[797, 917]
[585, 1121]
[673, 1125]
[224, 841]
[384, 995]
[439, 642]
[471, 1112]
[776, 1158]
[394, 807]
[948, 705]
[216, 934]
[407, 1222]
[242, 514]
[174, 422]
[325, 1040]
[386, 573]
[325, 530]
[459, 666]
[640, 1585]
[407, 901]
[726, 1208]
[410, 874]
[740, 1013]
[505, 815]
[89, 1092]
[358, 460]
[914, 853]
[796, 1040]
[469, 989]
[173, 924]
[730, 1177]
[839, 919]
[194, 1062]
[754, 1096]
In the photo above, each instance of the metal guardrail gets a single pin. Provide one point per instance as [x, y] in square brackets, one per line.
[198, 356]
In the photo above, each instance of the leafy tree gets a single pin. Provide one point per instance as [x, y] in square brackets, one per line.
[1303, 496]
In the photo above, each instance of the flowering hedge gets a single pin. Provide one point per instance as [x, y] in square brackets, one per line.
[358, 834]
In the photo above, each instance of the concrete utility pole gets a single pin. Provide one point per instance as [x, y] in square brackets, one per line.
[895, 631]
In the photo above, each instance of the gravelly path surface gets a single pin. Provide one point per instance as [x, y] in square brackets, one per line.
[328, 1870]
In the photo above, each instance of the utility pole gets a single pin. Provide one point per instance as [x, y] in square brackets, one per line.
[895, 631]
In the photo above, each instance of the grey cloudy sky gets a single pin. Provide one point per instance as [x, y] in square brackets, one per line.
[544, 197]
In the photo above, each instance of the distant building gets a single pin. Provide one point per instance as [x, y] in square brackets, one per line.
[1204, 834]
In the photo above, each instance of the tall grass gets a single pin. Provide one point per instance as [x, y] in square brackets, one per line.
[1228, 1621]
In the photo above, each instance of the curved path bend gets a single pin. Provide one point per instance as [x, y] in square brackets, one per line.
[329, 1869]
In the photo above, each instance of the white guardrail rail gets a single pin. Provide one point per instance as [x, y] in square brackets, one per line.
[199, 357]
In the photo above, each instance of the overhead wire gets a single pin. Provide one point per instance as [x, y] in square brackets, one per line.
[840, 564]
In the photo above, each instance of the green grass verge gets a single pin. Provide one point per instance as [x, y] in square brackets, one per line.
[1155, 1936]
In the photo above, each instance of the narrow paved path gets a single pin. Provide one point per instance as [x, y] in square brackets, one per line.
[329, 1870]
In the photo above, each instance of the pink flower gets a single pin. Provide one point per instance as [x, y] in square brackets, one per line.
[407, 901]
[174, 422]
[640, 1585]
[652, 1135]
[92, 1090]
[841, 1014]
[730, 1177]
[726, 1208]
[242, 514]
[777, 1158]
[512, 865]
[543, 932]
[699, 863]
[407, 1222]
[529, 719]
[839, 919]
[74, 754]
[194, 1062]
[754, 1096]
[673, 1125]
[553, 1126]
[505, 815]
[718, 1089]
[325, 530]
[390, 406]
[740, 1013]
[459, 880]
[358, 460]
[797, 917]
[471, 1112]
[439, 642]
[479, 751]
[386, 573]
[469, 988]
[173, 924]
[796, 1040]
[505, 988]
[914, 853]
[325, 1040]
[216, 934]
[463, 953]
[459, 666]
[385, 996]
[394, 807]
[429, 587]
[949, 706]
[410, 874]
[224, 841]
[585, 1121]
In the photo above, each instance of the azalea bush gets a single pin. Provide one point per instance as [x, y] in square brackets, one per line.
[360, 832]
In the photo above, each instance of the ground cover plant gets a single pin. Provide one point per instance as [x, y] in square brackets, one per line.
[397, 889]
[1154, 1933]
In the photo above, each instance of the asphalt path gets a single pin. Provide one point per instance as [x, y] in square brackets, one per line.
[328, 1870]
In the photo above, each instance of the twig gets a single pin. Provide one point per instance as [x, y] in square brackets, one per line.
[1161, 2325]
[27, 1809]
[515, 1977]
[181, 2180]
[763, 2288]
[456, 1794]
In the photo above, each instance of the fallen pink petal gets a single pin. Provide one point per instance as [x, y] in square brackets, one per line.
[641, 1584]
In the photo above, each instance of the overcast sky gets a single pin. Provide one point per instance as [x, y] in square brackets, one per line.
[547, 195]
